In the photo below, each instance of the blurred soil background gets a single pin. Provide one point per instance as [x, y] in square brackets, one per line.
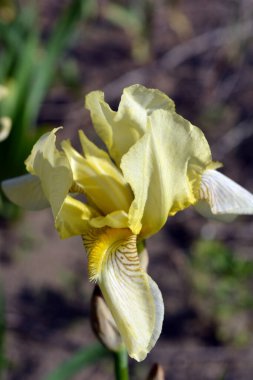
[200, 53]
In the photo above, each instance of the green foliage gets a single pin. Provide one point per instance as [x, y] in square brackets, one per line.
[27, 69]
[78, 362]
[121, 364]
[136, 19]
[222, 288]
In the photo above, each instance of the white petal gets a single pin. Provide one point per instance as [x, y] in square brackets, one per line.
[132, 296]
[25, 191]
[223, 195]
[204, 209]
[159, 307]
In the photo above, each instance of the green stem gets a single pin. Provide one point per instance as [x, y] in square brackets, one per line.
[121, 364]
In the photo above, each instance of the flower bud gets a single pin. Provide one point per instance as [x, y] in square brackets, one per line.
[156, 373]
[102, 322]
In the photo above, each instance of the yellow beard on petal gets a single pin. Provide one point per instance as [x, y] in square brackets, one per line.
[131, 295]
[99, 242]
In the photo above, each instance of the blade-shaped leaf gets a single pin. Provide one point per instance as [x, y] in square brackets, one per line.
[78, 362]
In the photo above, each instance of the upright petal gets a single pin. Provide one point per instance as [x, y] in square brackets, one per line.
[46, 148]
[120, 130]
[90, 149]
[52, 168]
[25, 191]
[219, 195]
[132, 296]
[100, 180]
[159, 170]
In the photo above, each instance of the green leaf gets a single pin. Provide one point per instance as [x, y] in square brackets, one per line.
[78, 362]
[13, 37]
[60, 37]
[123, 17]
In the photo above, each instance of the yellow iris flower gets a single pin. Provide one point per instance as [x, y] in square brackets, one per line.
[157, 164]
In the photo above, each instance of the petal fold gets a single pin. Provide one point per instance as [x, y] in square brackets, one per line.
[219, 195]
[73, 218]
[134, 299]
[52, 168]
[100, 180]
[120, 130]
[159, 169]
[116, 219]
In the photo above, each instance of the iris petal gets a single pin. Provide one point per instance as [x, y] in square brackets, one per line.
[120, 130]
[73, 218]
[116, 219]
[134, 299]
[219, 195]
[52, 168]
[25, 191]
[90, 149]
[157, 168]
[100, 180]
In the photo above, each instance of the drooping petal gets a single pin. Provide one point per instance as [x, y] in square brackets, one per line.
[100, 180]
[120, 130]
[25, 191]
[204, 209]
[157, 168]
[134, 299]
[73, 218]
[52, 168]
[220, 195]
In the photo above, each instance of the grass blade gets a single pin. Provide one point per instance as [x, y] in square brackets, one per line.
[60, 37]
[78, 362]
